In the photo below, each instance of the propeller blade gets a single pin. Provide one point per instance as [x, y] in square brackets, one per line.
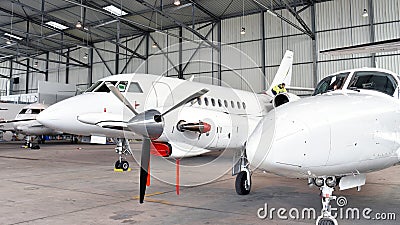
[118, 94]
[186, 100]
[144, 163]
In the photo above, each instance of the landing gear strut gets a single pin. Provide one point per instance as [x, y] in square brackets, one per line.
[122, 149]
[327, 188]
[243, 178]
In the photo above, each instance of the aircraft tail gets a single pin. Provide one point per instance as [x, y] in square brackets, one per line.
[284, 74]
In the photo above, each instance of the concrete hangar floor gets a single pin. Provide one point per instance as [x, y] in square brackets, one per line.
[64, 183]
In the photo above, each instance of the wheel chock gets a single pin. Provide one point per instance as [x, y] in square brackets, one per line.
[121, 170]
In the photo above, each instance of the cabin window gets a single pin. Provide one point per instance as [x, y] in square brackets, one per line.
[238, 105]
[232, 104]
[134, 87]
[199, 101]
[212, 102]
[244, 105]
[226, 104]
[373, 80]
[219, 103]
[206, 101]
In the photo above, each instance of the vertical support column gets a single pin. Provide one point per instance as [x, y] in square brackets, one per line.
[28, 61]
[46, 75]
[11, 79]
[263, 52]
[67, 67]
[219, 53]
[117, 49]
[90, 70]
[371, 18]
[180, 74]
[314, 46]
[147, 53]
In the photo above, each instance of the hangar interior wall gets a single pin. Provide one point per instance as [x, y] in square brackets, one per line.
[338, 23]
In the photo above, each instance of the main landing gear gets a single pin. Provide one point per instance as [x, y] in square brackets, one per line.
[243, 178]
[30, 144]
[122, 149]
[327, 186]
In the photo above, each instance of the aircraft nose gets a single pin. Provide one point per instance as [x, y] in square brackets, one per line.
[49, 116]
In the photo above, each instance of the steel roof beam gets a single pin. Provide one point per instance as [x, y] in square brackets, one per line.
[178, 23]
[284, 19]
[298, 18]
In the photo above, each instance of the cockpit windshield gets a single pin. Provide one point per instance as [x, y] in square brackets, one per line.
[100, 86]
[94, 86]
[30, 111]
[374, 80]
[331, 83]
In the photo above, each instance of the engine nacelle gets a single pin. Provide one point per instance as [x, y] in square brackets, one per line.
[284, 98]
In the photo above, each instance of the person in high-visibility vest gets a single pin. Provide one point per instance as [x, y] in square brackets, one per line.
[280, 88]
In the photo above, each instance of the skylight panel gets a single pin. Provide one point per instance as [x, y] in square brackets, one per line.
[114, 10]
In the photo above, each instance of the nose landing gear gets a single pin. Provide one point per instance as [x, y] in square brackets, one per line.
[327, 186]
[122, 149]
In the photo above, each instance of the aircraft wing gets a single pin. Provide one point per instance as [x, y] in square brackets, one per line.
[374, 47]
[14, 121]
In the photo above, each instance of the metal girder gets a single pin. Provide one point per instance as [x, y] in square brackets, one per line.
[284, 19]
[93, 4]
[103, 61]
[36, 22]
[197, 49]
[131, 57]
[165, 55]
[178, 23]
[28, 66]
[204, 10]
[121, 46]
[298, 18]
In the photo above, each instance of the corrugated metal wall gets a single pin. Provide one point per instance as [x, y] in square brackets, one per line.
[338, 24]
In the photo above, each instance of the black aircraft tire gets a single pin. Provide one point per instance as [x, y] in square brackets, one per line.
[124, 165]
[240, 184]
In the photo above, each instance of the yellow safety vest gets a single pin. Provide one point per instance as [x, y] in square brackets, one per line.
[278, 89]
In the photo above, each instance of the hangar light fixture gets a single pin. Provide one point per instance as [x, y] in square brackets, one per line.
[56, 25]
[13, 36]
[78, 24]
[9, 41]
[154, 45]
[365, 13]
[85, 56]
[36, 64]
[177, 2]
[115, 11]
[243, 30]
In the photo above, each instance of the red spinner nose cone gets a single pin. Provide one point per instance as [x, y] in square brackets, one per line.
[207, 127]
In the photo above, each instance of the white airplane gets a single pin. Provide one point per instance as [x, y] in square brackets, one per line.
[25, 123]
[211, 118]
[350, 127]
